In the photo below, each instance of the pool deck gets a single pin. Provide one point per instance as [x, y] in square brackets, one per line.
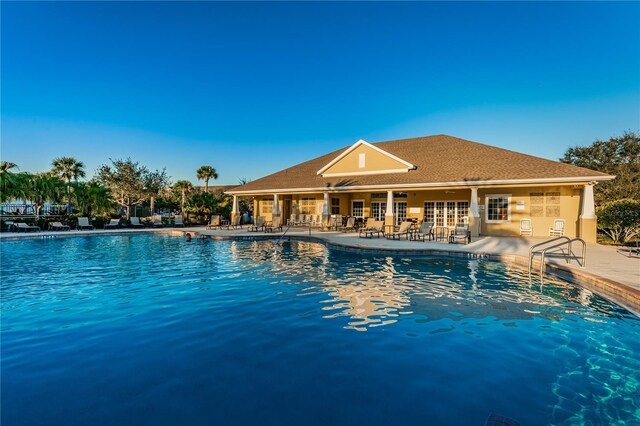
[608, 271]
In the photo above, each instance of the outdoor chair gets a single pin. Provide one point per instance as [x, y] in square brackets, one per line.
[215, 222]
[58, 226]
[135, 222]
[293, 219]
[525, 227]
[460, 234]
[276, 223]
[157, 221]
[558, 228]
[83, 223]
[259, 225]
[350, 225]
[25, 227]
[405, 229]
[377, 229]
[425, 231]
[178, 221]
[113, 224]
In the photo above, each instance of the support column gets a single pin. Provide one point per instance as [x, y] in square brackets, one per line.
[587, 223]
[474, 214]
[276, 207]
[388, 215]
[234, 210]
[326, 209]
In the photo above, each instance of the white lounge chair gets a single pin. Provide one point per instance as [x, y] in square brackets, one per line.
[558, 228]
[83, 223]
[405, 229]
[113, 224]
[460, 234]
[276, 223]
[58, 226]
[376, 229]
[259, 225]
[215, 222]
[25, 227]
[135, 222]
[157, 221]
[350, 225]
[425, 231]
[525, 227]
[178, 221]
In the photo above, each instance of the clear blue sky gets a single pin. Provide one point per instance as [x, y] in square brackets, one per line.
[251, 88]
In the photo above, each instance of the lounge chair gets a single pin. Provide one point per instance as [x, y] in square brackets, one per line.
[558, 228]
[293, 219]
[335, 221]
[113, 224]
[259, 225]
[377, 228]
[316, 221]
[350, 225]
[25, 227]
[178, 221]
[215, 222]
[276, 223]
[58, 226]
[235, 225]
[425, 231]
[83, 223]
[460, 234]
[135, 222]
[525, 227]
[405, 229]
[157, 221]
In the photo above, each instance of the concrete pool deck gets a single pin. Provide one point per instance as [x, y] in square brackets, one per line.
[608, 271]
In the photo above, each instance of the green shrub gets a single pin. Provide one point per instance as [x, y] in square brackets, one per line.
[620, 219]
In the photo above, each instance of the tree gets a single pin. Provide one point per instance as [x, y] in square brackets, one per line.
[205, 173]
[68, 168]
[129, 182]
[183, 187]
[155, 183]
[619, 156]
[91, 198]
[9, 181]
[620, 219]
[41, 188]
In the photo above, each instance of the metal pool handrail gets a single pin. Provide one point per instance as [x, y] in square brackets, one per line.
[567, 241]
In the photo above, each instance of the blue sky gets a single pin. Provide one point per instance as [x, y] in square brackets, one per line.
[251, 88]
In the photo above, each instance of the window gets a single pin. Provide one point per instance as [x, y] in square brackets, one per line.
[382, 195]
[498, 208]
[266, 206]
[400, 211]
[361, 160]
[378, 210]
[446, 212]
[462, 215]
[308, 206]
[429, 211]
[357, 208]
[335, 206]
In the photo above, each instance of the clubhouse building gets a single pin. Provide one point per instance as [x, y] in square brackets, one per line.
[442, 179]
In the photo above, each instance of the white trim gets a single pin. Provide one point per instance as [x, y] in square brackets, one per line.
[365, 143]
[357, 201]
[362, 160]
[486, 207]
[371, 172]
[428, 185]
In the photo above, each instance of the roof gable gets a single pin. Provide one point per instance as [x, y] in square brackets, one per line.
[363, 158]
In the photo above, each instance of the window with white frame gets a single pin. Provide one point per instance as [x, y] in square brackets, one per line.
[498, 208]
[446, 212]
[266, 206]
[308, 206]
[357, 208]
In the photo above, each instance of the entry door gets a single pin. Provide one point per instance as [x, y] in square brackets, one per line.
[377, 210]
[400, 211]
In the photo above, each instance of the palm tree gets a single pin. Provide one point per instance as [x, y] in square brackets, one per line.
[184, 186]
[205, 173]
[43, 187]
[9, 181]
[68, 168]
[91, 198]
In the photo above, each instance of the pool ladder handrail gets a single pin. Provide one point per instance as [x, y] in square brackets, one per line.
[284, 233]
[566, 241]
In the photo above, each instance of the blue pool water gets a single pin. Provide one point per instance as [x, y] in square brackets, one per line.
[150, 329]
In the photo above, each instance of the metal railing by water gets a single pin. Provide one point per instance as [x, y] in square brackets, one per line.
[542, 248]
[283, 234]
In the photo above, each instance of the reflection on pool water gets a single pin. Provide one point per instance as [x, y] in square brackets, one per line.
[152, 329]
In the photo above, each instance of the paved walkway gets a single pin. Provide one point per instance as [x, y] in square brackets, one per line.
[607, 270]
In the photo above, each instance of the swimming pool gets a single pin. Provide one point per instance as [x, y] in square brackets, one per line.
[131, 329]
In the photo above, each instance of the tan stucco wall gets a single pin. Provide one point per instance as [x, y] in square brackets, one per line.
[374, 161]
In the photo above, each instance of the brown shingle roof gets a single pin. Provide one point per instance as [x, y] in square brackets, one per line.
[439, 159]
